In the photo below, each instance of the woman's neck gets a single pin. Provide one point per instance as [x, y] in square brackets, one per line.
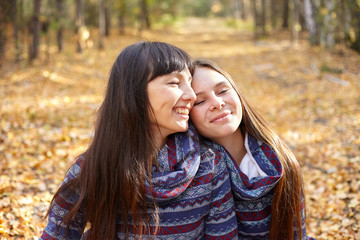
[234, 144]
[159, 140]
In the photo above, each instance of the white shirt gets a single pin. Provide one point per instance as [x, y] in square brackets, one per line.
[248, 164]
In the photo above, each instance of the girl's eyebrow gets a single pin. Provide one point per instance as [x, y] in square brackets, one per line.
[215, 86]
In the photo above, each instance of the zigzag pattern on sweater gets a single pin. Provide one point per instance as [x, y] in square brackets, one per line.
[193, 195]
[171, 150]
[244, 205]
[255, 215]
[253, 197]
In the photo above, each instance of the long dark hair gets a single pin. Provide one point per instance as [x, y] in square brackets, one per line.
[286, 205]
[122, 151]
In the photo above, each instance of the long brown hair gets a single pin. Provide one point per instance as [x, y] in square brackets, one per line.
[286, 206]
[122, 151]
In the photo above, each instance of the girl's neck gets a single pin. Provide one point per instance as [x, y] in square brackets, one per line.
[234, 144]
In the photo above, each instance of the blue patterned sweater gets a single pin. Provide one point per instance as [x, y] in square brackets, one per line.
[253, 197]
[192, 189]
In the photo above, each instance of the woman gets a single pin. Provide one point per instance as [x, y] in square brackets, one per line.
[136, 181]
[266, 178]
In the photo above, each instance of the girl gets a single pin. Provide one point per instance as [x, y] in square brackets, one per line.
[266, 178]
[136, 181]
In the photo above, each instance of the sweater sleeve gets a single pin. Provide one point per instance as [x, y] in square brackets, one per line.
[60, 207]
[221, 221]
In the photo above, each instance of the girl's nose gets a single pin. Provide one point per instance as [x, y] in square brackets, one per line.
[217, 103]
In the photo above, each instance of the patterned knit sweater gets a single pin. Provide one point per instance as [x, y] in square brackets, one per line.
[253, 197]
[192, 189]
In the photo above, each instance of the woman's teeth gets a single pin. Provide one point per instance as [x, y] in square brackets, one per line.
[182, 111]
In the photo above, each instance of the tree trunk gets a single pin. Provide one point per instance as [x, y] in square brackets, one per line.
[107, 19]
[6, 15]
[295, 28]
[101, 23]
[302, 16]
[346, 19]
[2, 32]
[310, 10]
[263, 17]
[59, 19]
[79, 23]
[237, 8]
[240, 9]
[35, 27]
[274, 13]
[285, 17]
[144, 18]
[354, 7]
[15, 19]
[122, 12]
[256, 19]
[328, 25]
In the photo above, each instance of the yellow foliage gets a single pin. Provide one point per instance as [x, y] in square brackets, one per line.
[47, 116]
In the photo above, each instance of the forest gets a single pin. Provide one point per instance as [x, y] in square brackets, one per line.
[24, 23]
[297, 61]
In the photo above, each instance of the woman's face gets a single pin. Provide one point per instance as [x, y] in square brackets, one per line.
[217, 111]
[171, 98]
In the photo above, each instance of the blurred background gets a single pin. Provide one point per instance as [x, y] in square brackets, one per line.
[297, 61]
[23, 23]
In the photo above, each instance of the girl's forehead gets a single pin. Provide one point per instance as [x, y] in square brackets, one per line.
[208, 76]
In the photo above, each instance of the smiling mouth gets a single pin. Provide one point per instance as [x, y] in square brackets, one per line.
[220, 117]
[182, 111]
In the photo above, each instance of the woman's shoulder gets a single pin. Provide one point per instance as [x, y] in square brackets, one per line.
[75, 169]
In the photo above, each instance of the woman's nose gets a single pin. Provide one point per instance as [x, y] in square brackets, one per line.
[189, 94]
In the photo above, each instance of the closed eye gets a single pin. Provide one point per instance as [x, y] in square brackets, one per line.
[174, 83]
[199, 102]
[223, 91]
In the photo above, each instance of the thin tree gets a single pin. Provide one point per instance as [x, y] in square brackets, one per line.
[5, 11]
[107, 18]
[354, 7]
[239, 7]
[274, 13]
[243, 10]
[59, 16]
[310, 11]
[2, 32]
[295, 28]
[345, 16]
[16, 22]
[144, 17]
[35, 27]
[79, 24]
[121, 18]
[285, 16]
[328, 25]
[101, 23]
[263, 17]
[256, 18]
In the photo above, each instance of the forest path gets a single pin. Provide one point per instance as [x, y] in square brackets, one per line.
[308, 95]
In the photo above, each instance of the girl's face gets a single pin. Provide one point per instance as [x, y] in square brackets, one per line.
[171, 98]
[217, 111]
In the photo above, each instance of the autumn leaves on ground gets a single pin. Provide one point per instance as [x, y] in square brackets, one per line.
[310, 96]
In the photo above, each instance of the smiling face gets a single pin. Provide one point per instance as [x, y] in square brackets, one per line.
[217, 111]
[171, 98]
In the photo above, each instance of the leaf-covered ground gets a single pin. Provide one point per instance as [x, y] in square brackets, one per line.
[309, 95]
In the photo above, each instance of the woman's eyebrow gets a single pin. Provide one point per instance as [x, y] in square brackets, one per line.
[219, 84]
[181, 76]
